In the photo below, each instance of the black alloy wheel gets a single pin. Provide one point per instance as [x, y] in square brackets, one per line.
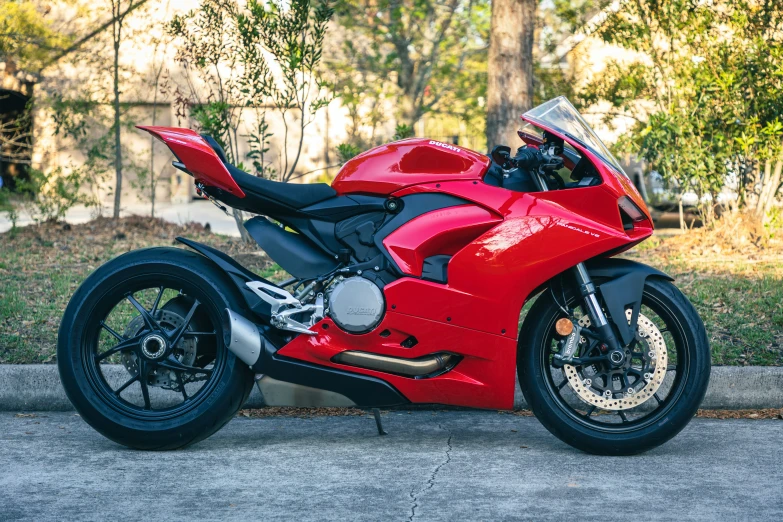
[141, 351]
[617, 409]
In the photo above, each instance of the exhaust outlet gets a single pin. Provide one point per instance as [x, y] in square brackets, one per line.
[242, 337]
[422, 367]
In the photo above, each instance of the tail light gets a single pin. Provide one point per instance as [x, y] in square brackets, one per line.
[630, 213]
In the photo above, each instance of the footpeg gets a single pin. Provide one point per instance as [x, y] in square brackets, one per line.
[285, 306]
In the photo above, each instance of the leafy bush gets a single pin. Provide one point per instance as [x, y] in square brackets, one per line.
[706, 93]
[402, 131]
[346, 151]
[48, 197]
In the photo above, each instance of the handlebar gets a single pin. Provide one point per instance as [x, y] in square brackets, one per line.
[541, 164]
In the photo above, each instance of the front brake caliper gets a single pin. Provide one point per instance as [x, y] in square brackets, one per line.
[568, 346]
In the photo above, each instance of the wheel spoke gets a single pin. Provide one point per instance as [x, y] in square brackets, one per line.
[126, 344]
[157, 301]
[182, 386]
[657, 398]
[173, 364]
[671, 367]
[177, 335]
[591, 410]
[148, 319]
[121, 389]
[622, 416]
[111, 331]
[562, 384]
[145, 392]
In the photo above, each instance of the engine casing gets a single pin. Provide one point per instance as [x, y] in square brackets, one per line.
[356, 305]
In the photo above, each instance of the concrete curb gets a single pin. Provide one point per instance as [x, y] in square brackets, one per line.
[37, 387]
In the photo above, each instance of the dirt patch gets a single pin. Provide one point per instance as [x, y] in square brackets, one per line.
[307, 413]
[303, 413]
[770, 413]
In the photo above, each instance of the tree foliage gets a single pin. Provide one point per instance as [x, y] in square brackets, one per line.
[706, 89]
[27, 37]
[244, 60]
[429, 56]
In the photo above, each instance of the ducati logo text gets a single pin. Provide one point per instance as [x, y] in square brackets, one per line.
[360, 310]
[445, 146]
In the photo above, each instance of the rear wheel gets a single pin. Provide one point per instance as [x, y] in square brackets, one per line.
[141, 353]
[617, 411]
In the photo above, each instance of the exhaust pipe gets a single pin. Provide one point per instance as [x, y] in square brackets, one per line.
[242, 337]
[423, 366]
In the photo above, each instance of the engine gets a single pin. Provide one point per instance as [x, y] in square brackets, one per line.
[356, 304]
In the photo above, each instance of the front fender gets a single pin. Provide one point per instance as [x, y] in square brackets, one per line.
[621, 286]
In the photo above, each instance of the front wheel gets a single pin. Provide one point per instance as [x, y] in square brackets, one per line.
[624, 410]
[141, 354]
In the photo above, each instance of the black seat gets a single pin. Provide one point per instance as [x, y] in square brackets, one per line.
[294, 195]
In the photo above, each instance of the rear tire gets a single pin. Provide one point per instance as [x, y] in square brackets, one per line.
[586, 433]
[225, 389]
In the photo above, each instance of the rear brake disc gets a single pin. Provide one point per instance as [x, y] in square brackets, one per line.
[185, 352]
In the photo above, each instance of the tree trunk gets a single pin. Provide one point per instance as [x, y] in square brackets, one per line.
[774, 185]
[509, 69]
[117, 142]
[152, 152]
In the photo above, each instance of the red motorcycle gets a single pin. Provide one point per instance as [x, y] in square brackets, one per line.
[409, 274]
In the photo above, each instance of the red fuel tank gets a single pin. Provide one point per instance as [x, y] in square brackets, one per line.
[400, 164]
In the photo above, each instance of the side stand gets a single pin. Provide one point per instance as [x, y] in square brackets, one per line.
[378, 423]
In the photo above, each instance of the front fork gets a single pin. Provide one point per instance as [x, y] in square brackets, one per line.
[601, 325]
[603, 329]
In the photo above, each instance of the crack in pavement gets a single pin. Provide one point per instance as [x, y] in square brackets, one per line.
[431, 481]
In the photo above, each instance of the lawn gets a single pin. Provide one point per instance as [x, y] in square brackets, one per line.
[738, 292]
[41, 267]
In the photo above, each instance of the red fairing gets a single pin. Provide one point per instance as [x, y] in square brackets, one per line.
[444, 231]
[397, 165]
[619, 184]
[505, 246]
[484, 378]
[199, 158]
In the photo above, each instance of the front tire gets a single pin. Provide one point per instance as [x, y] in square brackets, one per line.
[172, 395]
[560, 409]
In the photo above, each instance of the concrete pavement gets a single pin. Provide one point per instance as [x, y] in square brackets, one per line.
[432, 466]
[199, 211]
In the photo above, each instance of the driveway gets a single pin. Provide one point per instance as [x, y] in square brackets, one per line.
[199, 211]
[431, 466]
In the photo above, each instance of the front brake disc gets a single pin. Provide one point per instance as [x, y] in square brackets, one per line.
[597, 386]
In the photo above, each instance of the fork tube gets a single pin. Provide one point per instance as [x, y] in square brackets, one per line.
[597, 316]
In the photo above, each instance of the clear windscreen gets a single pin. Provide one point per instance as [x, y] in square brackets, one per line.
[558, 114]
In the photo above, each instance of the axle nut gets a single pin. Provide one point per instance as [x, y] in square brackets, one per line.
[564, 326]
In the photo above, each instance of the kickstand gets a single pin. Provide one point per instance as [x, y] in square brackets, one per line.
[378, 423]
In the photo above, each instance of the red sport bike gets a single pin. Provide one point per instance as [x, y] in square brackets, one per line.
[409, 277]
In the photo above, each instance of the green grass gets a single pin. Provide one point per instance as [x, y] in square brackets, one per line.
[741, 306]
[42, 266]
[739, 297]
[738, 293]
